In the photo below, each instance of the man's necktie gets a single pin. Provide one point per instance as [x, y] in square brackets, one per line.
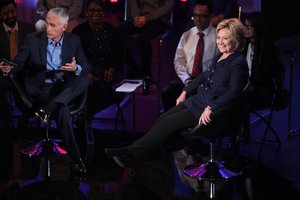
[13, 44]
[197, 68]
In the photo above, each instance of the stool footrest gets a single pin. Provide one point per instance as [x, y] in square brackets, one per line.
[44, 148]
[210, 171]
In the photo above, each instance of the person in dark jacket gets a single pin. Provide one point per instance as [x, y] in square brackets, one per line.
[9, 21]
[266, 69]
[219, 86]
[264, 62]
[147, 19]
[102, 46]
[55, 75]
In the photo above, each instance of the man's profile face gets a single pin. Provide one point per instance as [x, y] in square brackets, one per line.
[201, 17]
[55, 26]
[9, 15]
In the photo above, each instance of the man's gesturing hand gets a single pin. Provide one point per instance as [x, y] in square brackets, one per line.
[70, 66]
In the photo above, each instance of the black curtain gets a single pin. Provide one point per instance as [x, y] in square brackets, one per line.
[282, 17]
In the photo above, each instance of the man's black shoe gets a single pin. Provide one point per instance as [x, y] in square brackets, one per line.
[78, 166]
[45, 117]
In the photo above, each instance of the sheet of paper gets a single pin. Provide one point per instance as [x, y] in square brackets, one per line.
[128, 85]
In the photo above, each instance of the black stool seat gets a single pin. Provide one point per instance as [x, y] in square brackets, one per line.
[225, 122]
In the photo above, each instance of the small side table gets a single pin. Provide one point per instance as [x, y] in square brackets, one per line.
[130, 87]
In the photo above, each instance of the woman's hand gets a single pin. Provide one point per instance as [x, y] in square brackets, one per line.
[205, 116]
[140, 21]
[90, 77]
[181, 98]
[108, 74]
[5, 68]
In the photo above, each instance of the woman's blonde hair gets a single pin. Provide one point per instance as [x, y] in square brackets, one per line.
[236, 30]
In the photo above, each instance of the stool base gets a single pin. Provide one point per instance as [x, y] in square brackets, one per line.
[210, 171]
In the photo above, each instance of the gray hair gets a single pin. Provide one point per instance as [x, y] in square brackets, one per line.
[236, 30]
[61, 12]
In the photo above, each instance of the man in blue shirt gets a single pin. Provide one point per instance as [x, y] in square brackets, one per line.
[55, 74]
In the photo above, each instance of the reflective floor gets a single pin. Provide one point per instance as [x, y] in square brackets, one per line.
[161, 178]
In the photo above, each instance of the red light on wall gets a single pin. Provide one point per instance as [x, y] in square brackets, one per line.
[113, 1]
[184, 1]
[18, 1]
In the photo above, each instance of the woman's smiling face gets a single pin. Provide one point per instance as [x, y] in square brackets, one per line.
[224, 41]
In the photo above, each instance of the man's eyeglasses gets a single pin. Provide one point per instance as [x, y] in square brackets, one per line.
[197, 16]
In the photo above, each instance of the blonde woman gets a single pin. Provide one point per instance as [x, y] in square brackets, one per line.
[215, 88]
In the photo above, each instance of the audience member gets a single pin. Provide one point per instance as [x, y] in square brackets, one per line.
[101, 44]
[220, 85]
[185, 57]
[264, 63]
[56, 67]
[73, 7]
[148, 19]
[12, 34]
[222, 9]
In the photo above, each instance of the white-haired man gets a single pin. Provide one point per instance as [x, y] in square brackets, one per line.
[56, 68]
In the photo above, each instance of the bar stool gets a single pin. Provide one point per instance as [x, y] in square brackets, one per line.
[47, 147]
[225, 123]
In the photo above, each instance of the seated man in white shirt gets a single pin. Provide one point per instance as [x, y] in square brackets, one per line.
[186, 52]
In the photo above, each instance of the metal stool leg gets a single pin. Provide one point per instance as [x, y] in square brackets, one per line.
[210, 171]
[45, 148]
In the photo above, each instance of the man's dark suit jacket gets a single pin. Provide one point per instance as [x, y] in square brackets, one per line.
[33, 53]
[23, 30]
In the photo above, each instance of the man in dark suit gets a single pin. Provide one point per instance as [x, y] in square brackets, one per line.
[9, 19]
[55, 74]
